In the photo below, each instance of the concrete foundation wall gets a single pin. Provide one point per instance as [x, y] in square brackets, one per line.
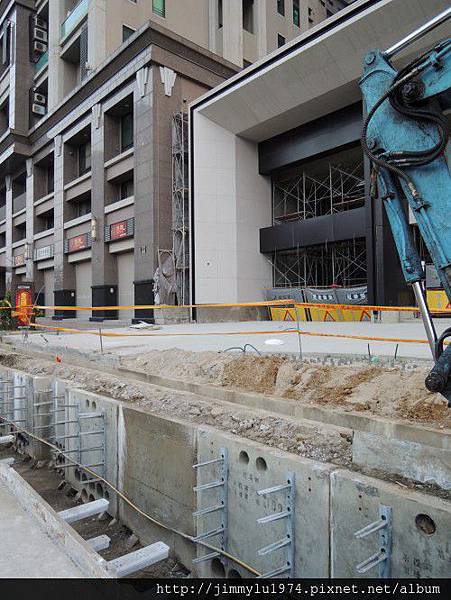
[150, 459]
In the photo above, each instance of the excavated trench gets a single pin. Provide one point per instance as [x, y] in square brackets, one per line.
[390, 392]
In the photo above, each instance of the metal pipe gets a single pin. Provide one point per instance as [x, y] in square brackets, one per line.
[418, 33]
[426, 316]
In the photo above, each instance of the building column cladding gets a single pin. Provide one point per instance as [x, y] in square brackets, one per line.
[56, 64]
[9, 235]
[144, 192]
[64, 272]
[104, 271]
[97, 34]
[30, 220]
[233, 31]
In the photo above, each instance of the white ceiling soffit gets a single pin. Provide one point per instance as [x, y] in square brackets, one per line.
[319, 77]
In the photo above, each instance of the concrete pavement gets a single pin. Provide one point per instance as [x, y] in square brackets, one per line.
[193, 337]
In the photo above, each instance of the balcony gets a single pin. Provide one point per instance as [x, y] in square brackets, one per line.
[2, 213]
[77, 15]
[19, 203]
[42, 62]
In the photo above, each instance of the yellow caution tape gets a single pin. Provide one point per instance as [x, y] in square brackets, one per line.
[232, 333]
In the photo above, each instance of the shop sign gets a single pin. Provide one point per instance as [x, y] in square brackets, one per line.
[44, 253]
[19, 260]
[79, 242]
[24, 305]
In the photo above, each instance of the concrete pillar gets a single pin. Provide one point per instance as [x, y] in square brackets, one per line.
[64, 272]
[21, 72]
[57, 15]
[97, 34]
[9, 234]
[233, 31]
[29, 277]
[145, 239]
[104, 271]
[261, 10]
[213, 25]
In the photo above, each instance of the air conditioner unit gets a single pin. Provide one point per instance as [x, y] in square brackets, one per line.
[41, 23]
[39, 47]
[40, 34]
[37, 109]
[39, 98]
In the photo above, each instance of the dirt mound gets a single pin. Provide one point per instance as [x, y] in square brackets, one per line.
[379, 390]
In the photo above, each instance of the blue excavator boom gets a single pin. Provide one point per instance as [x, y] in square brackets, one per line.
[405, 135]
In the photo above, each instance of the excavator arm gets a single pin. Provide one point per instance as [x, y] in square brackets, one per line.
[405, 135]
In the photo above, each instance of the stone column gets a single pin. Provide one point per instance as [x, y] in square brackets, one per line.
[261, 9]
[233, 31]
[9, 234]
[213, 25]
[64, 272]
[145, 234]
[57, 15]
[30, 221]
[97, 34]
[104, 271]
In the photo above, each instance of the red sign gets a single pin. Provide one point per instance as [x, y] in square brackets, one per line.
[80, 242]
[24, 303]
[118, 230]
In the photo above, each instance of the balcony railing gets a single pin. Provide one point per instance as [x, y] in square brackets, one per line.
[42, 62]
[2, 213]
[78, 13]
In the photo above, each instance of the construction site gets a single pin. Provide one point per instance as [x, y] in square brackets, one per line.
[248, 376]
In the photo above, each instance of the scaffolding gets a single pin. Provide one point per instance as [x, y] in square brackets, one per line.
[336, 189]
[180, 206]
[324, 265]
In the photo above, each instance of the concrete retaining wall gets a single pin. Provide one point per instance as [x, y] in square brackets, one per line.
[421, 526]
[150, 459]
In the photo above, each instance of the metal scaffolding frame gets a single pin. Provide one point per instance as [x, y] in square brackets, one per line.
[306, 196]
[342, 263]
[180, 206]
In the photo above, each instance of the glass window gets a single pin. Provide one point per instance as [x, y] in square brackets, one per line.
[126, 132]
[126, 32]
[281, 7]
[248, 15]
[50, 179]
[126, 189]
[159, 7]
[220, 15]
[83, 208]
[280, 40]
[296, 13]
[84, 158]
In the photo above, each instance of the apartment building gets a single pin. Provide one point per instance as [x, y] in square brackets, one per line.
[86, 151]
[88, 92]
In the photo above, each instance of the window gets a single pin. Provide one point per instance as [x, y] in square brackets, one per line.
[280, 40]
[281, 7]
[50, 179]
[220, 15]
[5, 44]
[248, 15]
[83, 208]
[296, 13]
[126, 189]
[159, 7]
[84, 158]
[126, 132]
[126, 32]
